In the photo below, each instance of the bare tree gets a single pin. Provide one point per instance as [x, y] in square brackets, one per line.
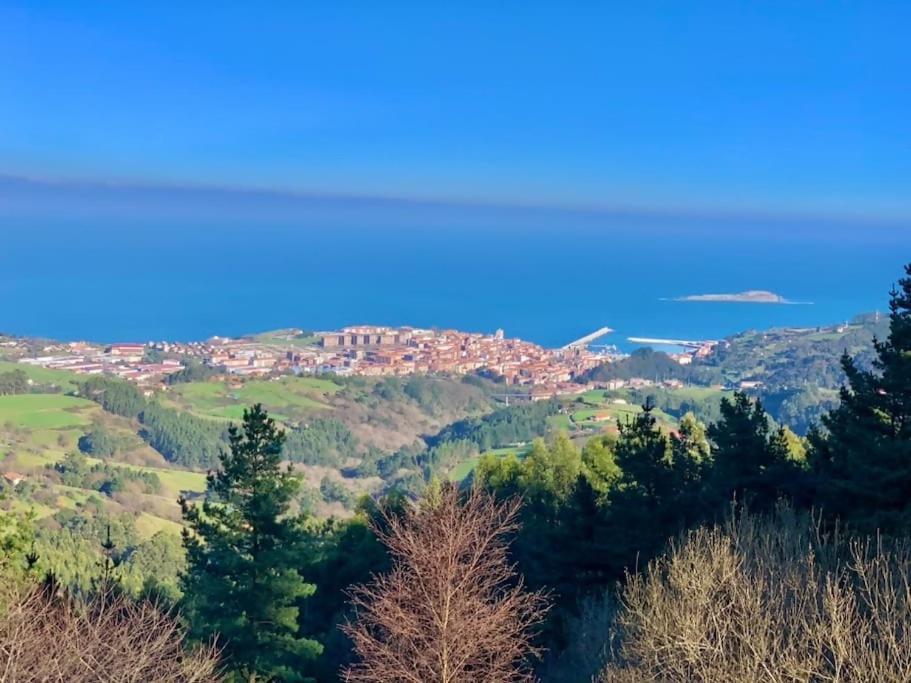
[45, 636]
[452, 608]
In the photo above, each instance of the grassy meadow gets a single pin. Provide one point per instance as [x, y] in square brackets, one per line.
[461, 471]
[286, 399]
[45, 411]
[61, 378]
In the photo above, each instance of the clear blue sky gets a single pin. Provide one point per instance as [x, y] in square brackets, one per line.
[771, 105]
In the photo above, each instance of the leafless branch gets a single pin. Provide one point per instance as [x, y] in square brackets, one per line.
[45, 636]
[452, 608]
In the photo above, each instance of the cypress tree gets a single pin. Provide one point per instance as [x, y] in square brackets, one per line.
[242, 583]
[862, 461]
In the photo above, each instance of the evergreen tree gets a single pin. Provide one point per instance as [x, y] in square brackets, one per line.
[344, 553]
[17, 541]
[644, 459]
[643, 510]
[558, 503]
[691, 461]
[242, 583]
[586, 552]
[750, 461]
[863, 462]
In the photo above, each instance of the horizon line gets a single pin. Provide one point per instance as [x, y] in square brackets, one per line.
[657, 210]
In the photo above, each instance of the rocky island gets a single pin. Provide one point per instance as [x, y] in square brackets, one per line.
[752, 296]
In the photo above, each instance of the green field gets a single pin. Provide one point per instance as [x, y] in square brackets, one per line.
[286, 399]
[37, 430]
[282, 338]
[65, 380]
[559, 422]
[175, 481]
[617, 414]
[594, 396]
[148, 525]
[589, 415]
[48, 411]
[37, 459]
[623, 411]
[700, 393]
[70, 497]
[465, 468]
[31, 509]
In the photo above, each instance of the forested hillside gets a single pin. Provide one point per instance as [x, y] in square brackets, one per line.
[100, 454]
[292, 502]
[795, 371]
[97, 448]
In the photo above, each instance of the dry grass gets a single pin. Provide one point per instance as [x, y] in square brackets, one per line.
[766, 600]
[48, 637]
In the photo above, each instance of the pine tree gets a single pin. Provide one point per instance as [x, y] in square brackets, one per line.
[690, 449]
[643, 456]
[642, 506]
[242, 583]
[863, 462]
[586, 553]
[750, 462]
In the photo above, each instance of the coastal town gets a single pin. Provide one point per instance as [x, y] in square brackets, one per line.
[368, 351]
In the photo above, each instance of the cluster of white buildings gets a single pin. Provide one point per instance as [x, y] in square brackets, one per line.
[127, 361]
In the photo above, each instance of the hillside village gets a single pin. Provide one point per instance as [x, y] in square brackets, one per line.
[364, 351]
[522, 368]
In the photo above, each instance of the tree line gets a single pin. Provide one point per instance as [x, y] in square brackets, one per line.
[75, 470]
[16, 381]
[13, 382]
[184, 439]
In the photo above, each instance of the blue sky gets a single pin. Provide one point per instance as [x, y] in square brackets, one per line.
[764, 106]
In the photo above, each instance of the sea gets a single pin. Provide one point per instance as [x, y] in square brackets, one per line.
[137, 274]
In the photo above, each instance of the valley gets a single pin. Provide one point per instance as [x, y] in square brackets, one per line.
[352, 436]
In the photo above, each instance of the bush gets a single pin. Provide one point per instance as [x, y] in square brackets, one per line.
[334, 491]
[45, 636]
[766, 599]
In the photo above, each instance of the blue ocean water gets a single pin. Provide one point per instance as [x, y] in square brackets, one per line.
[550, 280]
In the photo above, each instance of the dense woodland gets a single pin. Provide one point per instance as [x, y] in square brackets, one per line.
[181, 438]
[552, 564]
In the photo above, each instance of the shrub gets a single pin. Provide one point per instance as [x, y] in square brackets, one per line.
[766, 599]
[46, 636]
